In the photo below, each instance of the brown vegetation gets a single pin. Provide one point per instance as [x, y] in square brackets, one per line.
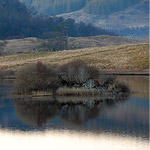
[73, 78]
[122, 58]
[77, 72]
[58, 42]
[36, 77]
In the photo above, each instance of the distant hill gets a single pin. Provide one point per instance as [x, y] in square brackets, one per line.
[54, 7]
[107, 7]
[97, 41]
[99, 7]
[17, 46]
[131, 22]
[128, 18]
[19, 21]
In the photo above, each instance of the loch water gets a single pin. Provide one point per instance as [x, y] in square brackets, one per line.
[110, 124]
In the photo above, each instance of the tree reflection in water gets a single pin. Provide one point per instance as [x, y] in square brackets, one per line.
[36, 112]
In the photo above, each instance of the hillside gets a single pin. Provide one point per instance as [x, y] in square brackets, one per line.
[107, 7]
[127, 18]
[109, 14]
[16, 46]
[123, 58]
[97, 41]
[19, 21]
[133, 17]
[53, 7]
[99, 7]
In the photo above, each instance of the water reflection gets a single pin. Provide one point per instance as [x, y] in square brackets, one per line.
[35, 113]
[5, 89]
[38, 112]
[117, 116]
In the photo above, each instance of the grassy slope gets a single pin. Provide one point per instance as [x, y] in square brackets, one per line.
[26, 45]
[115, 57]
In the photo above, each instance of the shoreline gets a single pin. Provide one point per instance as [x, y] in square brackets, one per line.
[132, 72]
[108, 72]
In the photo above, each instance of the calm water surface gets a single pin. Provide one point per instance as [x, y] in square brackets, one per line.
[109, 124]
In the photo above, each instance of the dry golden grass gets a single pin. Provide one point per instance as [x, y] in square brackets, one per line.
[15, 46]
[41, 93]
[77, 92]
[65, 91]
[114, 57]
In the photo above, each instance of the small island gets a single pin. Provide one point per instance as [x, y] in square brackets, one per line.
[74, 78]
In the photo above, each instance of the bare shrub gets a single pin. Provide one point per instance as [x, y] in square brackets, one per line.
[105, 78]
[121, 87]
[112, 84]
[77, 71]
[110, 80]
[36, 77]
[93, 72]
[41, 68]
[74, 72]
